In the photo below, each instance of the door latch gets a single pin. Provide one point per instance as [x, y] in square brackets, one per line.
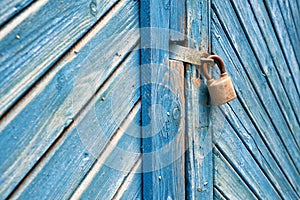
[189, 55]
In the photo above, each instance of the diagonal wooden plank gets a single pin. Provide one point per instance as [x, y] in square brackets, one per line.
[38, 120]
[120, 158]
[64, 166]
[9, 8]
[218, 195]
[245, 130]
[36, 39]
[259, 81]
[289, 24]
[266, 64]
[228, 181]
[295, 15]
[253, 107]
[290, 54]
[244, 165]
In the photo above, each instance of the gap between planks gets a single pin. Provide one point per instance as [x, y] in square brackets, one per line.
[42, 161]
[106, 152]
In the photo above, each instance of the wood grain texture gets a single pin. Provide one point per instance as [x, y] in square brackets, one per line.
[290, 113]
[295, 14]
[177, 20]
[36, 122]
[218, 195]
[132, 186]
[290, 25]
[199, 155]
[243, 163]
[116, 164]
[33, 42]
[278, 58]
[68, 161]
[245, 130]
[259, 81]
[291, 56]
[162, 107]
[9, 8]
[257, 117]
[228, 181]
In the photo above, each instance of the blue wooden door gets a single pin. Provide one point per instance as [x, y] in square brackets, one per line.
[256, 136]
[93, 105]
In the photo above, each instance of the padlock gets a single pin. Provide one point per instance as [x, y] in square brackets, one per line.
[221, 90]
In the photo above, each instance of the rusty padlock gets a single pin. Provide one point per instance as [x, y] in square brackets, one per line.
[220, 90]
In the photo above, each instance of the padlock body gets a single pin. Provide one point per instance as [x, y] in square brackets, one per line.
[221, 90]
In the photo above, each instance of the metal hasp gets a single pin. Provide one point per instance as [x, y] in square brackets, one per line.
[189, 55]
[221, 90]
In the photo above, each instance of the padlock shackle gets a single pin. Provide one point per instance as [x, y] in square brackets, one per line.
[218, 60]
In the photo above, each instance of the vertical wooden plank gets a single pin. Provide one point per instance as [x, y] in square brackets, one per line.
[199, 155]
[177, 20]
[162, 107]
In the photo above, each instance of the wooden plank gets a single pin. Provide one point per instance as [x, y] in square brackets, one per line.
[218, 195]
[68, 161]
[227, 180]
[35, 40]
[289, 25]
[277, 55]
[132, 186]
[162, 107]
[52, 105]
[259, 81]
[199, 155]
[252, 106]
[9, 8]
[247, 133]
[295, 14]
[260, 50]
[243, 163]
[285, 42]
[107, 178]
[177, 20]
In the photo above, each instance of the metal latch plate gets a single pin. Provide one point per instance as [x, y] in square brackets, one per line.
[189, 55]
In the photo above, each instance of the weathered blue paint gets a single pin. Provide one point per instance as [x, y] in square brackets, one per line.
[226, 179]
[40, 118]
[177, 20]
[163, 147]
[259, 80]
[74, 98]
[41, 38]
[10, 8]
[70, 159]
[285, 41]
[253, 108]
[199, 139]
[258, 133]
